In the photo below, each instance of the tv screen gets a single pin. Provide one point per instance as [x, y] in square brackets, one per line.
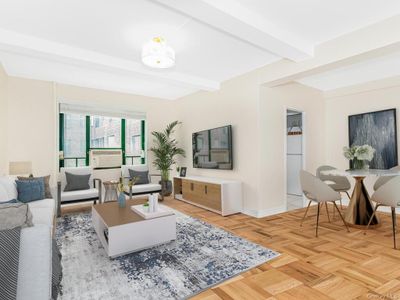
[212, 149]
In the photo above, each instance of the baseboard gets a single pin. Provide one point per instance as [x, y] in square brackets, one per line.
[265, 212]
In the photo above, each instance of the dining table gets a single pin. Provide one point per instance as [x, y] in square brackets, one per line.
[360, 208]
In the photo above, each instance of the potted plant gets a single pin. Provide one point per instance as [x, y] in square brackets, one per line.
[165, 151]
[360, 156]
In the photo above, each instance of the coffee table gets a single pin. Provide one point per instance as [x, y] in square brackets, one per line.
[123, 231]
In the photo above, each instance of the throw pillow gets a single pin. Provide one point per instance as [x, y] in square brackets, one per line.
[143, 177]
[76, 182]
[14, 215]
[30, 190]
[47, 190]
[9, 261]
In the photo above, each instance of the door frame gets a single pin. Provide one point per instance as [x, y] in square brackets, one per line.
[304, 135]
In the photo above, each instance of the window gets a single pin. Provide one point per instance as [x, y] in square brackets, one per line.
[80, 133]
[133, 138]
[74, 140]
[105, 132]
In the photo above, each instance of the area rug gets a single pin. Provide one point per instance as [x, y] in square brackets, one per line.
[201, 257]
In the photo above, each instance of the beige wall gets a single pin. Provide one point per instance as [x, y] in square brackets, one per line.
[31, 108]
[273, 105]
[3, 123]
[354, 101]
[258, 115]
[236, 104]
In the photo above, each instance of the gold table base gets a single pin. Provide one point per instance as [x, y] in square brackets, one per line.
[360, 208]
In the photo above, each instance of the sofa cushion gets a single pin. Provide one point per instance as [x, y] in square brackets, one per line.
[79, 195]
[77, 182]
[45, 203]
[42, 215]
[144, 188]
[9, 187]
[15, 215]
[34, 274]
[47, 190]
[3, 195]
[142, 177]
[30, 190]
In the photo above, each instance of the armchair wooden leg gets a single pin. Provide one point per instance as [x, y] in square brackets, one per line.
[327, 211]
[316, 229]
[340, 214]
[305, 214]
[394, 226]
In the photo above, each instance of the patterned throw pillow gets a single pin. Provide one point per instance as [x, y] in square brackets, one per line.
[47, 190]
[9, 260]
[30, 190]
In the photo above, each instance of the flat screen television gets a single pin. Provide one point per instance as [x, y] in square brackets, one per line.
[212, 149]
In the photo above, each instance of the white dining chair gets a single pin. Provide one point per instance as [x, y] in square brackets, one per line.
[338, 183]
[318, 191]
[384, 179]
[388, 194]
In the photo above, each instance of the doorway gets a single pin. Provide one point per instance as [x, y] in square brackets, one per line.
[295, 158]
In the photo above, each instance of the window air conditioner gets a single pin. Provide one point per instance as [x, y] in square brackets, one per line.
[105, 158]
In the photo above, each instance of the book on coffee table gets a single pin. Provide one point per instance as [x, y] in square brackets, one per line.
[143, 211]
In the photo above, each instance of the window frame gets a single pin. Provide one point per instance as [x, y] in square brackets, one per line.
[88, 144]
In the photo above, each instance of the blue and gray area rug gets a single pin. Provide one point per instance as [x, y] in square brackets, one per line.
[202, 256]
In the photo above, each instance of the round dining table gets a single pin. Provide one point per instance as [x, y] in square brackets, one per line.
[360, 208]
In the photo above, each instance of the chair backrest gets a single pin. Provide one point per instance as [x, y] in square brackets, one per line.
[339, 183]
[319, 190]
[384, 179]
[389, 193]
[139, 168]
[76, 171]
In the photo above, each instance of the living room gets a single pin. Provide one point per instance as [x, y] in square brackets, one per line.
[233, 70]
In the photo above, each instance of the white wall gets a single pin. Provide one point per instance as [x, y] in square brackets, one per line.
[234, 104]
[31, 108]
[3, 123]
[355, 101]
[258, 115]
[273, 105]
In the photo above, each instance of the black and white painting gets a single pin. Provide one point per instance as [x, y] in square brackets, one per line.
[377, 129]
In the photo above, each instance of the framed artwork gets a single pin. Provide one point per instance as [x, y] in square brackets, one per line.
[183, 172]
[379, 130]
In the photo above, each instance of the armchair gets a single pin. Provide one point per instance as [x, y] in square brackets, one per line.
[93, 193]
[139, 189]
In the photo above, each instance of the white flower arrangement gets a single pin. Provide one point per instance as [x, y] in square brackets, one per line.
[359, 154]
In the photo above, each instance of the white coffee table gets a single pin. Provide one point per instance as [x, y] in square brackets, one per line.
[129, 232]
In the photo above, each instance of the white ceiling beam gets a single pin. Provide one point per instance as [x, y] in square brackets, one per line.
[370, 42]
[238, 21]
[20, 44]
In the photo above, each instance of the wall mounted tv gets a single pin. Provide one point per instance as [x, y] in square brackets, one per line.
[212, 149]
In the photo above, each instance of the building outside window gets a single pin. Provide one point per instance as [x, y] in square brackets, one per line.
[74, 140]
[103, 132]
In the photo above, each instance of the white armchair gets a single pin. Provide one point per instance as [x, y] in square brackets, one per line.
[93, 193]
[139, 189]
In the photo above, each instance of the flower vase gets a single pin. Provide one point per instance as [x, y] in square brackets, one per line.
[121, 200]
[360, 164]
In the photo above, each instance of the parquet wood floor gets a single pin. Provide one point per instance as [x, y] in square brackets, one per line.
[336, 265]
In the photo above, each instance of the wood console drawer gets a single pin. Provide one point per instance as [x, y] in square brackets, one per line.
[205, 194]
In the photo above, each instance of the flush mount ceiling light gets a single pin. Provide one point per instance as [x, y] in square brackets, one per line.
[157, 54]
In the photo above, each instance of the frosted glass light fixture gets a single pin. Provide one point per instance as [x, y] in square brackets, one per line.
[157, 54]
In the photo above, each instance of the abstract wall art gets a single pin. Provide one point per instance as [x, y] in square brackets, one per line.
[377, 129]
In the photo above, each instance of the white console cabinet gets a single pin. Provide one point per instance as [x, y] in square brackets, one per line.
[217, 195]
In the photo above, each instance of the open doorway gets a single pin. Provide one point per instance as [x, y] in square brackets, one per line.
[295, 158]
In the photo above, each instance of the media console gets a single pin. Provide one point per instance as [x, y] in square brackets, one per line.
[217, 195]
